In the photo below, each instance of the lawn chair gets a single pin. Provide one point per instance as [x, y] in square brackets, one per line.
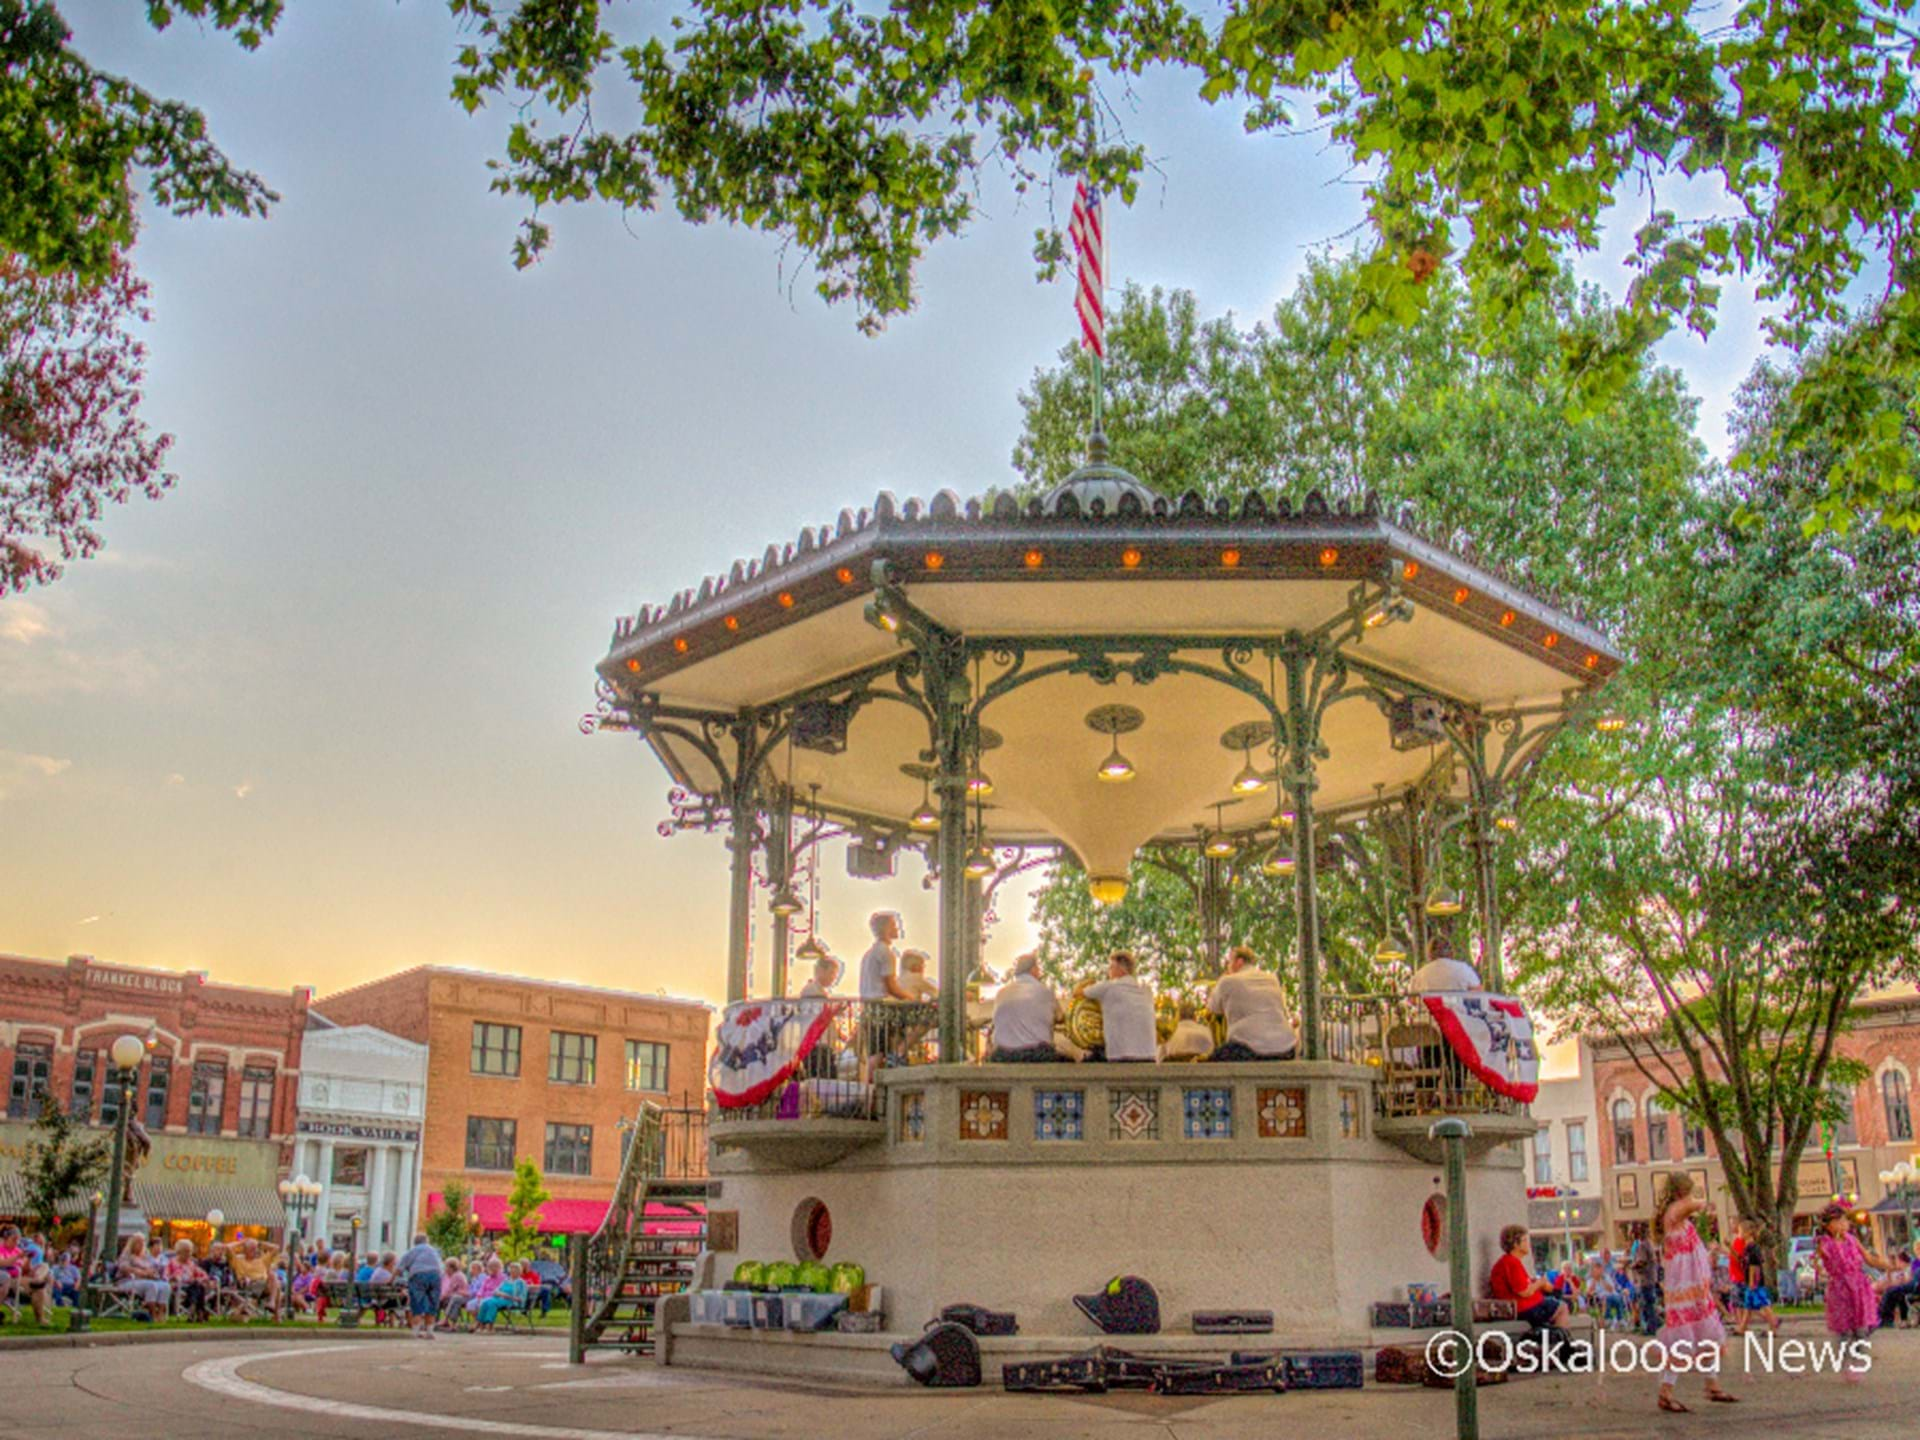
[517, 1319]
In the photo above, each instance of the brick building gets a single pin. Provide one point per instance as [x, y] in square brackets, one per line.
[536, 1068]
[1639, 1142]
[217, 1091]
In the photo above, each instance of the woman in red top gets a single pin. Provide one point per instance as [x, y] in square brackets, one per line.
[1533, 1298]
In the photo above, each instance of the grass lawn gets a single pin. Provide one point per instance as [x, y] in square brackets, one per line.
[23, 1324]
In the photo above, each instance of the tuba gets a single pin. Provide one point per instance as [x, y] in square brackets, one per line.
[1084, 1025]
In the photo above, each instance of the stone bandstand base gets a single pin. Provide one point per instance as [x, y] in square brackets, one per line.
[1248, 1186]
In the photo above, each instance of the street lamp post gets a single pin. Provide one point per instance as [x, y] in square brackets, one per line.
[1902, 1180]
[80, 1318]
[1566, 1234]
[299, 1195]
[125, 1056]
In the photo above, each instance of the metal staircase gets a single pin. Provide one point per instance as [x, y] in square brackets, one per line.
[622, 1271]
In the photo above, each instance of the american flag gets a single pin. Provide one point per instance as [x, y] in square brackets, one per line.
[1090, 244]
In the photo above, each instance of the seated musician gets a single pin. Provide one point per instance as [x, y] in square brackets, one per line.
[1024, 1014]
[1442, 973]
[1255, 1010]
[1126, 1010]
[826, 974]
[913, 976]
[1191, 1040]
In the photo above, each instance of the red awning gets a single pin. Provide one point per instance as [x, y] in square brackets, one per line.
[574, 1217]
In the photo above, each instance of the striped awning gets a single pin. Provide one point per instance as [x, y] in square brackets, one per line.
[13, 1198]
[185, 1200]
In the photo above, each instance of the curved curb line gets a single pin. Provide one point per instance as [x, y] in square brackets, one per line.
[222, 1377]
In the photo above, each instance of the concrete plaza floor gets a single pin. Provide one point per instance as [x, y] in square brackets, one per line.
[306, 1385]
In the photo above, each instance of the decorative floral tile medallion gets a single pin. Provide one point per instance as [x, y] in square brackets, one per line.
[1059, 1114]
[1209, 1113]
[983, 1114]
[1133, 1114]
[1283, 1114]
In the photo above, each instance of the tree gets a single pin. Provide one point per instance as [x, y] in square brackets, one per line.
[60, 1165]
[523, 1211]
[1492, 140]
[72, 136]
[1719, 886]
[447, 1225]
[71, 437]
[1590, 508]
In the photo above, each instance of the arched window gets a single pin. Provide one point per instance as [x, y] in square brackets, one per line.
[1656, 1129]
[1623, 1131]
[1893, 1094]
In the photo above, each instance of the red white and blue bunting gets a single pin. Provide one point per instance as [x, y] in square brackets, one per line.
[1493, 1037]
[761, 1044]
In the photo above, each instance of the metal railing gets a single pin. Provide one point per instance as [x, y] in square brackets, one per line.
[815, 1059]
[1418, 1072]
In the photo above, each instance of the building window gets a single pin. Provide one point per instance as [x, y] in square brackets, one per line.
[570, 1057]
[489, 1143]
[256, 1101]
[1623, 1131]
[32, 1071]
[646, 1065]
[1843, 1131]
[1577, 1151]
[350, 1168]
[1693, 1139]
[569, 1149]
[159, 1077]
[207, 1098]
[1629, 1191]
[1893, 1094]
[1543, 1156]
[496, 1049]
[86, 1066]
[1656, 1130]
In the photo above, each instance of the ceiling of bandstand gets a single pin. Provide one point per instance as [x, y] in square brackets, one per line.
[1043, 772]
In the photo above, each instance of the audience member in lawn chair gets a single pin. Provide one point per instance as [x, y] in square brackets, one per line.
[454, 1293]
[507, 1298]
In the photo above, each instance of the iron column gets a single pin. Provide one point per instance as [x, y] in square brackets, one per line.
[1453, 1133]
[1301, 741]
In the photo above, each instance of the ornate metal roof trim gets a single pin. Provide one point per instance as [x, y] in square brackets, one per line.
[838, 552]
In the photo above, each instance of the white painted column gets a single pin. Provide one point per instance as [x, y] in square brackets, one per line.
[407, 1202]
[377, 1208]
[322, 1214]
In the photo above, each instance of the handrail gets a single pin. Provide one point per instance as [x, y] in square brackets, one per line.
[1395, 1035]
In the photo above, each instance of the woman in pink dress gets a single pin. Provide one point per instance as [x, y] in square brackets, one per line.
[1686, 1279]
[1853, 1310]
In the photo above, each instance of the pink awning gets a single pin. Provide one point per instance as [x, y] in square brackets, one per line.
[575, 1217]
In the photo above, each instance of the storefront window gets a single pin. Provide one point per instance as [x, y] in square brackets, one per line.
[256, 1101]
[350, 1167]
[86, 1066]
[570, 1057]
[569, 1149]
[646, 1065]
[208, 1098]
[32, 1071]
[159, 1078]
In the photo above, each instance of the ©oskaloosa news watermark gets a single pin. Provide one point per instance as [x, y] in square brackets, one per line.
[1451, 1353]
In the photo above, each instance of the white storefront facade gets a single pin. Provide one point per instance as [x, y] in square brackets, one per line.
[362, 1101]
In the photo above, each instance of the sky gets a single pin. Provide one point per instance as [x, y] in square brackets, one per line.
[312, 718]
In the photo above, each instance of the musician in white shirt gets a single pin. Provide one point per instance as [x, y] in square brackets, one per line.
[1255, 1009]
[1024, 1013]
[1126, 1010]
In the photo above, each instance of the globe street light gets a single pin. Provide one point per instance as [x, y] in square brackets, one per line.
[125, 1056]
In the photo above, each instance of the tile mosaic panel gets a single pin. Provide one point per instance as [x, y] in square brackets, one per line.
[1283, 1113]
[983, 1114]
[1209, 1113]
[913, 1116]
[1133, 1114]
[1059, 1114]
[1353, 1111]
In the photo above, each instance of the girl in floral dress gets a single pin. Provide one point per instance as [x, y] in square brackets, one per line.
[1853, 1310]
[1687, 1284]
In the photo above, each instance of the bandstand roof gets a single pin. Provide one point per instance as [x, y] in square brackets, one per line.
[1102, 558]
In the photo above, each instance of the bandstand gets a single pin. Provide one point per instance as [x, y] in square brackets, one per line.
[1093, 671]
